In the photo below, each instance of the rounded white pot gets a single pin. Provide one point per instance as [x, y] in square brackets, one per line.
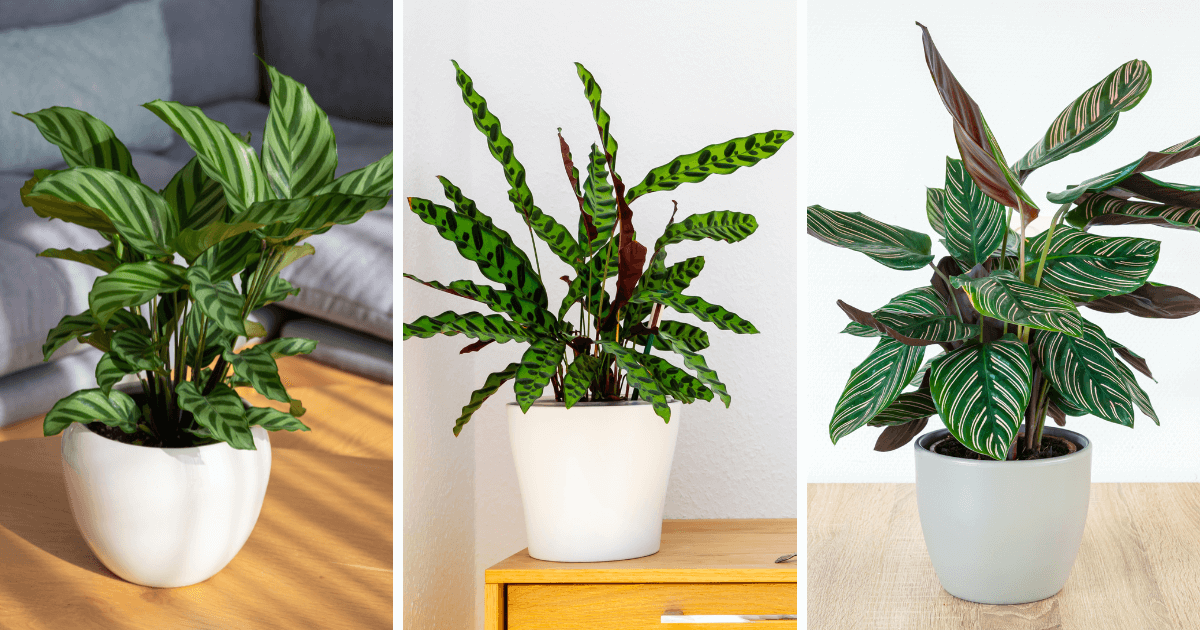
[593, 477]
[164, 517]
[1003, 532]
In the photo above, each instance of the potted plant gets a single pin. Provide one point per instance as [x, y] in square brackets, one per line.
[166, 479]
[593, 461]
[1003, 507]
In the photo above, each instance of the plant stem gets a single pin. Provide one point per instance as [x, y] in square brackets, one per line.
[1004, 241]
[950, 288]
[1037, 279]
[1022, 331]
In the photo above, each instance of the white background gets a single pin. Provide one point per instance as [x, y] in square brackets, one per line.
[879, 135]
[676, 76]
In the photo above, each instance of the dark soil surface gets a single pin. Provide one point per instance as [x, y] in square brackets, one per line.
[1052, 446]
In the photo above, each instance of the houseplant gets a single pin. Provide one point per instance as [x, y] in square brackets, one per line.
[1004, 308]
[588, 494]
[166, 479]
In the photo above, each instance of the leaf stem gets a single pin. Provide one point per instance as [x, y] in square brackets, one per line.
[950, 288]
[1037, 279]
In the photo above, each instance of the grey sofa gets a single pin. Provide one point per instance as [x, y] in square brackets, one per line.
[202, 52]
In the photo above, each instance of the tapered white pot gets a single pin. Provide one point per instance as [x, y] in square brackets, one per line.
[164, 517]
[593, 477]
[1003, 532]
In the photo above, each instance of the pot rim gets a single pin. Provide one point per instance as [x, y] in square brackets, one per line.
[1085, 448]
[550, 402]
[84, 427]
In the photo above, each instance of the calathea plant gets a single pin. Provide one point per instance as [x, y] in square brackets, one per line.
[612, 333]
[1002, 306]
[234, 219]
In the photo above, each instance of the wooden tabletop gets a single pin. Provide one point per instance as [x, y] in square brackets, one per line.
[701, 550]
[1138, 566]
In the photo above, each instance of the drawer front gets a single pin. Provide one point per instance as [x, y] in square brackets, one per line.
[638, 606]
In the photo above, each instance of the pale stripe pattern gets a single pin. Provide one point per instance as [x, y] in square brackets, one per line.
[920, 313]
[1003, 296]
[974, 223]
[1153, 160]
[981, 391]
[1085, 372]
[1085, 266]
[873, 385]
[889, 245]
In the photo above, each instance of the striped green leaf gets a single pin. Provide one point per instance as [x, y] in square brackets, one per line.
[493, 383]
[287, 346]
[115, 409]
[693, 360]
[279, 214]
[277, 289]
[137, 212]
[888, 245]
[299, 153]
[1136, 393]
[1084, 371]
[715, 159]
[484, 327]
[109, 370]
[215, 339]
[224, 156]
[220, 414]
[1004, 297]
[973, 223]
[640, 378]
[219, 301]
[51, 207]
[675, 382]
[372, 180]
[720, 225]
[716, 315]
[133, 284]
[1090, 117]
[935, 198]
[196, 198]
[592, 92]
[83, 139]
[1152, 161]
[580, 375]
[598, 202]
[329, 209]
[135, 349]
[538, 364]
[908, 407]
[873, 385]
[254, 365]
[981, 391]
[521, 311]
[496, 260]
[73, 326]
[273, 419]
[102, 259]
[229, 257]
[918, 314]
[1103, 209]
[1084, 266]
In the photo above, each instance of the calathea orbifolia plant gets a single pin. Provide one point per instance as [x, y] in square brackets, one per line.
[611, 334]
[235, 219]
[1004, 307]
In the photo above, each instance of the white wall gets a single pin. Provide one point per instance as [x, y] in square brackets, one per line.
[879, 135]
[676, 76]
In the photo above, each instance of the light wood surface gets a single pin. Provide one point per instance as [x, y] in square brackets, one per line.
[641, 606]
[1138, 566]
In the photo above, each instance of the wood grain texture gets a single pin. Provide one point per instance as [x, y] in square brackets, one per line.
[320, 555]
[638, 606]
[494, 606]
[1138, 566]
[701, 550]
[348, 414]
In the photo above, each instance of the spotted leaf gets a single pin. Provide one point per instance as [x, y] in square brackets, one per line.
[490, 386]
[717, 315]
[473, 325]
[640, 378]
[538, 364]
[580, 375]
[716, 159]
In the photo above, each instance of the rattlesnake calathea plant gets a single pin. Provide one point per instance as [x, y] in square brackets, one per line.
[597, 346]
[1004, 307]
[234, 219]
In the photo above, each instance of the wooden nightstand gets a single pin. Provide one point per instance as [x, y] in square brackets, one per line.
[705, 567]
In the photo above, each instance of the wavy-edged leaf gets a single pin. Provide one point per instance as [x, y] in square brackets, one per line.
[1085, 266]
[1090, 117]
[115, 409]
[493, 383]
[712, 313]
[538, 364]
[691, 337]
[1103, 209]
[521, 310]
[873, 385]
[219, 301]
[220, 414]
[981, 153]
[299, 152]
[888, 245]
[137, 212]
[372, 180]
[135, 349]
[256, 366]
[973, 223]
[102, 259]
[592, 92]
[83, 139]
[907, 407]
[918, 317]
[110, 369]
[49, 207]
[673, 381]
[1004, 297]
[719, 225]
[1084, 371]
[598, 202]
[580, 374]
[640, 378]
[278, 214]
[588, 285]
[981, 391]
[694, 361]
[715, 159]
[84, 324]
[273, 419]
[287, 346]
[473, 325]
[224, 156]
[276, 290]
[1152, 161]
[133, 284]
[497, 261]
[1150, 300]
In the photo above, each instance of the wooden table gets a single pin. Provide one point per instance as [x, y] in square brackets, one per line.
[704, 567]
[1138, 566]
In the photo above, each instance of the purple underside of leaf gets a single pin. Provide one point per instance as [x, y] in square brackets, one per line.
[866, 319]
[1158, 302]
[895, 436]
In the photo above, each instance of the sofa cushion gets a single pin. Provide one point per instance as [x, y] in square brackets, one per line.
[34, 391]
[344, 349]
[106, 65]
[23, 13]
[213, 50]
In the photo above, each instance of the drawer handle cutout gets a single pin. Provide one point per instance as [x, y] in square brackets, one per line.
[677, 616]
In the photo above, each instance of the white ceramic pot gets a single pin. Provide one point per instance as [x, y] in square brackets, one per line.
[164, 517]
[1003, 532]
[593, 477]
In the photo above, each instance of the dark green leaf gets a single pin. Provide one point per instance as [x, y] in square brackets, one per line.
[981, 391]
[220, 413]
[694, 361]
[715, 159]
[873, 385]
[135, 349]
[640, 378]
[673, 381]
[83, 139]
[137, 212]
[703, 310]
[1084, 266]
[115, 409]
[908, 407]
[493, 383]
[1004, 297]
[889, 245]
[133, 284]
[299, 152]
[219, 301]
[255, 366]
[538, 364]
[580, 374]
[1152, 161]
[473, 325]
[720, 225]
[102, 259]
[273, 419]
[521, 310]
[1084, 371]
[1101, 209]
[974, 223]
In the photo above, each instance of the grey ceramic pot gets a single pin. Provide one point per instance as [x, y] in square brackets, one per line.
[1003, 532]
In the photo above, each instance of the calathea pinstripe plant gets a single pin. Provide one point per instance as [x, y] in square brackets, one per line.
[1004, 307]
[234, 219]
[598, 345]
